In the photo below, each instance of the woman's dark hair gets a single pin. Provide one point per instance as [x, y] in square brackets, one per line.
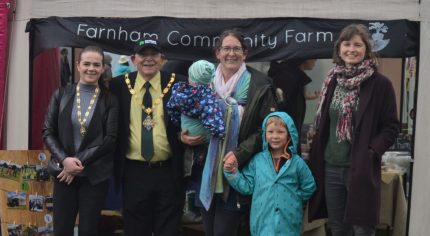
[64, 51]
[348, 33]
[99, 51]
[63, 54]
[234, 33]
[95, 49]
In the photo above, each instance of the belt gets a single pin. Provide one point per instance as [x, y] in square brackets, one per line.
[151, 164]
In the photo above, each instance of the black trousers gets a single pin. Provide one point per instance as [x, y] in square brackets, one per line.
[78, 197]
[152, 200]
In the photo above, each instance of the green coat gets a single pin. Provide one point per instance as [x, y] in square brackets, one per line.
[261, 101]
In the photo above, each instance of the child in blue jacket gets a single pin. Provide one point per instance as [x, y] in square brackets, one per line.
[277, 178]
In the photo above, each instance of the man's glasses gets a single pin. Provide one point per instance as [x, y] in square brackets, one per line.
[231, 49]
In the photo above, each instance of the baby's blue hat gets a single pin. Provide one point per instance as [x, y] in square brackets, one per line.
[201, 72]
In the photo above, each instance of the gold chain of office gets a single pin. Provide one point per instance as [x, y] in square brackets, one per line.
[81, 121]
[149, 122]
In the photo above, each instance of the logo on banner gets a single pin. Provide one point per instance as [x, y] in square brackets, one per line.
[378, 41]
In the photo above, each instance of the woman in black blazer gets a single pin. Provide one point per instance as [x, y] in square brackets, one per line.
[80, 132]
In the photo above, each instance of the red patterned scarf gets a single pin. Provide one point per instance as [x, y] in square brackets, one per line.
[350, 79]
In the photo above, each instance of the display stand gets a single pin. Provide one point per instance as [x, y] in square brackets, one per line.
[24, 173]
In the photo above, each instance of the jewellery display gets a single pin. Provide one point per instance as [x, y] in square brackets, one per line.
[149, 123]
[81, 121]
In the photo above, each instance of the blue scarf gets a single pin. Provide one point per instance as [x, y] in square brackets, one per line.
[218, 147]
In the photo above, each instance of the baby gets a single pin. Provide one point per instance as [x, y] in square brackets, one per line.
[195, 104]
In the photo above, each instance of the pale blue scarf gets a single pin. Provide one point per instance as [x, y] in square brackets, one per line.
[217, 147]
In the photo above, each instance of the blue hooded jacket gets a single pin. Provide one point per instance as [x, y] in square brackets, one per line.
[277, 198]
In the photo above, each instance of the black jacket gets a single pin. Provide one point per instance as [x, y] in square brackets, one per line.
[291, 80]
[119, 87]
[261, 102]
[97, 148]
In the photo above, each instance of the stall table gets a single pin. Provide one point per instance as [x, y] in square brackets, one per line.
[393, 210]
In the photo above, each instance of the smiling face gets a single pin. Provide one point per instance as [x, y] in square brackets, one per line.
[277, 136]
[148, 62]
[90, 67]
[353, 46]
[352, 51]
[231, 55]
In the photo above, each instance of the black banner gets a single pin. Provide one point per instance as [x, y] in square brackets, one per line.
[192, 39]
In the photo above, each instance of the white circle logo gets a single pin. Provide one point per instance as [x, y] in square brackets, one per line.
[42, 156]
[48, 218]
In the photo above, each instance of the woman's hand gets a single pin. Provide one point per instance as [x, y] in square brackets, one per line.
[230, 162]
[65, 177]
[72, 165]
[191, 140]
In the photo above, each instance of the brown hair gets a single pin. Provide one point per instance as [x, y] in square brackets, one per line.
[346, 34]
[95, 49]
[99, 51]
[234, 33]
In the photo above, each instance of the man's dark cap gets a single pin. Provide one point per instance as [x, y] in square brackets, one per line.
[146, 43]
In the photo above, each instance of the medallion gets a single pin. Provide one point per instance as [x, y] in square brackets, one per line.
[81, 121]
[82, 130]
[148, 123]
